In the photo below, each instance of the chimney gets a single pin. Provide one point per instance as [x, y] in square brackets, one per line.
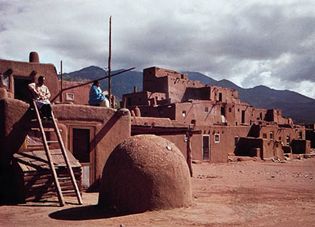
[34, 58]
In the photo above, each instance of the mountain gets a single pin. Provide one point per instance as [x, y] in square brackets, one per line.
[292, 104]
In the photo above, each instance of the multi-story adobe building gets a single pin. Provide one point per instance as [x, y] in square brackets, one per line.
[227, 125]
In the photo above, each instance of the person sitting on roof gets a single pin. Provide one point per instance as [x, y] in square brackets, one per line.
[41, 96]
[96, 96]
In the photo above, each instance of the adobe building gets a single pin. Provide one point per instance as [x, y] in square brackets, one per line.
[226, 125]
[89, 133]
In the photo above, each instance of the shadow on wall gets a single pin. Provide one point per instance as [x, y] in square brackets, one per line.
[106, 128]
[83, 213]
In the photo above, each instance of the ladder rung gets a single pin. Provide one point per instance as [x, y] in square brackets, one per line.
[52, 141]
[45, 129]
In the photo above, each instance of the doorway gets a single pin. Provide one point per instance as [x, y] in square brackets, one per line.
[81, 151]
[206, 147]
[243, 117]
[21, 90]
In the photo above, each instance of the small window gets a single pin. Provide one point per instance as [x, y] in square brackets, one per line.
[206, 109]
[69, 97]
[216, 138]
[265, 135]
[288, 140]
[230, 109]
[222, 110]
[184, 113]
[193, 121]
[220, 97]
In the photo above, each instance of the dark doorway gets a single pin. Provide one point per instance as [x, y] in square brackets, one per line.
[81, 151]
[220, 97]
[205, 148]
[223, 111]
[21, 90]
[243, 116]
[81, 144]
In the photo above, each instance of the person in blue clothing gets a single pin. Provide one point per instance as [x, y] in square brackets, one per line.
[96, 96]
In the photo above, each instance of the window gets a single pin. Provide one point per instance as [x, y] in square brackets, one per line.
[184, 113]
[69, 97]
[271, 135]
[216, 138]
[205, 147]
[230, 109]
[265, 135]
[206, 109]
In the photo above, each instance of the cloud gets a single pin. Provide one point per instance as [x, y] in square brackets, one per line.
[249, 42]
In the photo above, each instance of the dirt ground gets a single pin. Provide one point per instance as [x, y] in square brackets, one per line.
[251, 193]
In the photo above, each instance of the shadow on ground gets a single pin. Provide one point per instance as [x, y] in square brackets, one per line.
[83, 213]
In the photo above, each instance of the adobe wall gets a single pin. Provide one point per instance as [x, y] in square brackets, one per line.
[201, 112]
[15, 124]
[78, 95]
[177, 88]
[275, 115]
[30, 71]
[109, 128]
[228, 138]
[155, 80]
[258, 114]
[225, 95]
[282, 134]
[14, 116]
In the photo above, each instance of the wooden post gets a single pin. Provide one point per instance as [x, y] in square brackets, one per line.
[61, 80]
[189, 153]
[109, 62]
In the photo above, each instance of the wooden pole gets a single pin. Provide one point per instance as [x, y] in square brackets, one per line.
[61, 81]
[189, 153]
[109, 62]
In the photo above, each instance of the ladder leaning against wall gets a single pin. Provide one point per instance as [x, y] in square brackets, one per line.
[49, 157]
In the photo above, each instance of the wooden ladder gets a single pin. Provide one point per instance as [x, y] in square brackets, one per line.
[49, 157]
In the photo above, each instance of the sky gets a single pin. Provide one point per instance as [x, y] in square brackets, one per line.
[250, 42]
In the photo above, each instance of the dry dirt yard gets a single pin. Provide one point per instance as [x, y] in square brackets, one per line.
[251, 193]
